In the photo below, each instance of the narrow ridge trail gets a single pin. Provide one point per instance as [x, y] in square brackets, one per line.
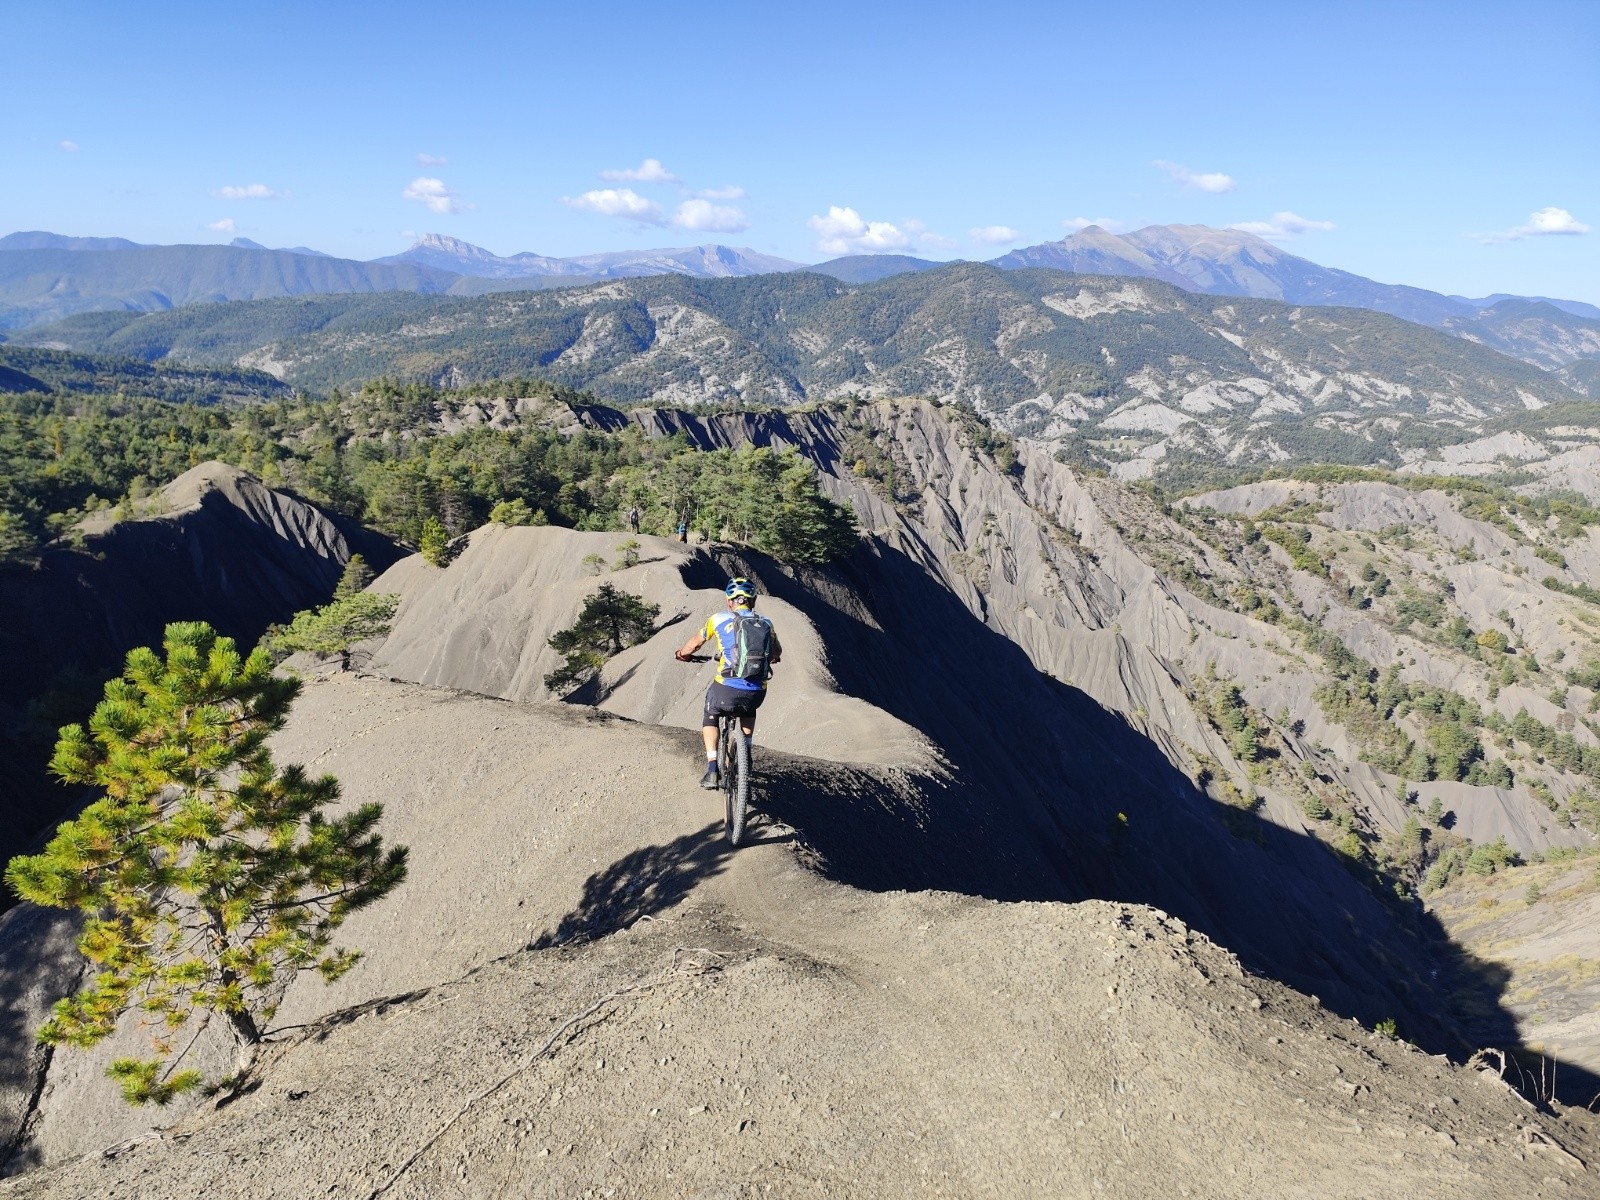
[732, 1023]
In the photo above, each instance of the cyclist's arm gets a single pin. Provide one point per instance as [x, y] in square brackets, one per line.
[695, 641]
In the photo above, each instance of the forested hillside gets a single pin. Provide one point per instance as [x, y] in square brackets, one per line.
[1138, 377]
[393, 456]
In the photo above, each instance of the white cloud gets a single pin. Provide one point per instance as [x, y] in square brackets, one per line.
[924, 237]
[706, 217]
[731, 192]
[843, 231]
[617, 202]
[1546, 222]
[649, 171]
[431, 160]
[1283, 225]
[250, 191]
[225, 225]
[435, 195]
[994, 235]
[69, 146]
[1205, 181]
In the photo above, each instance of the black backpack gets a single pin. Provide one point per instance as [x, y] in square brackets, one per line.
[752, 648]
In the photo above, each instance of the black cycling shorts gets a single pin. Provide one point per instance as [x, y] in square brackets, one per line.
[722, 700]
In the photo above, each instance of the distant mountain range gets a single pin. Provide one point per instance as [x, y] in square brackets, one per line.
[47, 276]
[1138, 376]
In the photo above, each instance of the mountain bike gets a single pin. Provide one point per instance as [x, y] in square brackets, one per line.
[733, 769]
[733, 774]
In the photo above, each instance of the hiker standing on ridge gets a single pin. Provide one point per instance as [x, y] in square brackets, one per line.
[747, 646]
[633, 518]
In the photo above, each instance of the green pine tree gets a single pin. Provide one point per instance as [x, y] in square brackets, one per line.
[512, 512]
[332, 629]
[434, 544]
[610, 621]
[208, 877]
[352, 615]
[356, 578]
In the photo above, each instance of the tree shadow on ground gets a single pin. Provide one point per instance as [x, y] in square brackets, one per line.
[1050, 796]
[641, 884]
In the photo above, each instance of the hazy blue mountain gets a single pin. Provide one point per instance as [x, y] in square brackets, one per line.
[445, 253]
[864, 268]
[40, 240]
[1535, 331]
[1576, 307]
[244, 243]
[705, 262]
[46, 284]
[452, 254]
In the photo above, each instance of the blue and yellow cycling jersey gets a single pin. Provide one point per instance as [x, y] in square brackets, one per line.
[719, 629]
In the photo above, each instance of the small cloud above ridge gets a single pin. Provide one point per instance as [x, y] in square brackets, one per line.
[994, 235]
[624, 203]
[843, 231]
[1547, 222]
[1283, 225]
[431, 160]
[226, 225]
[69, 146]
[731, 192]
[1214, 182]
[649, 171]
[702, 216]
[249, 191]
[434, 195]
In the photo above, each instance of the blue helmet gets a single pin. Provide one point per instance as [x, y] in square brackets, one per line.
[740, 588]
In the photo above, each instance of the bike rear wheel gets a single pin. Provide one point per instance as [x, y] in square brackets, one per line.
[735, 775]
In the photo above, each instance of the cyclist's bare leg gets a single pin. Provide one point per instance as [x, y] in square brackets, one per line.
[708, 734]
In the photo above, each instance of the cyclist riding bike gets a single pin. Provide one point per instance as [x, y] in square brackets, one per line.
[746, 648]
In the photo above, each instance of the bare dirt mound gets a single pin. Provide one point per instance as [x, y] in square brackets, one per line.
[750, 1028]
[215, 545]
[483, 625]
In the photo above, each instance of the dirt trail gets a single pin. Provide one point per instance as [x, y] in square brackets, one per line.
[770, 1031]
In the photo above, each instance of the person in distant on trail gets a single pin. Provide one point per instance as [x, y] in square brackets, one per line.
[633, 518]
[747, 646]
[683, 531]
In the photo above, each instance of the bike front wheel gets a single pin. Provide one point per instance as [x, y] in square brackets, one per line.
[735, 782]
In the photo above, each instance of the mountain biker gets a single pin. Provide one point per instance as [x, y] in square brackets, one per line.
[729, 695]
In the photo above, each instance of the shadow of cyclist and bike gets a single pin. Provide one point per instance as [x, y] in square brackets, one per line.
[650, 880]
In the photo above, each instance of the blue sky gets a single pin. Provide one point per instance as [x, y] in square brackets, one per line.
[1452, 146]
